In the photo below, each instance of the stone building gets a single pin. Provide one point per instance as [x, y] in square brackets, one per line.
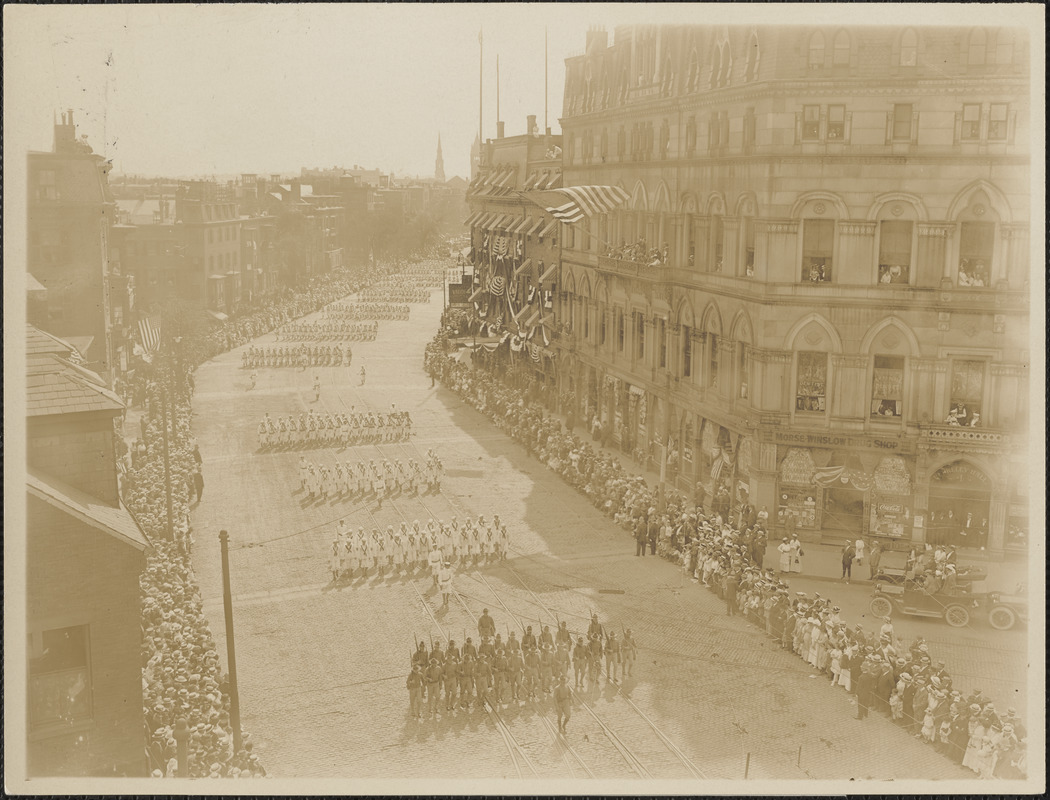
[817, 297]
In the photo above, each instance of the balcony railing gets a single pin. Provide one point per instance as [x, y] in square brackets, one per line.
[957, 436]
[632, 269]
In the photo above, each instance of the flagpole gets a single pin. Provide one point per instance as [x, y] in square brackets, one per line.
[481, 82]
[545, 60]
[497, 94]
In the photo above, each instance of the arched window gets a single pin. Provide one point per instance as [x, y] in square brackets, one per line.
[909, 48]
[726, 59]
[716, 66]
[1004, 46]
[694, 72]
[625, 85]
[752, 58]
[668, 77]
[978, 47]
[840, 55]
[816, 51]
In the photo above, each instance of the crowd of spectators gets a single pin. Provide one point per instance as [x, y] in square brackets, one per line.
[726, 552]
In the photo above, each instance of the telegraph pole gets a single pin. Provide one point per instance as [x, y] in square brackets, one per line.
[231, 658]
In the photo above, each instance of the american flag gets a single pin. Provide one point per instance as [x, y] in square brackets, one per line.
[149, 334]
[573, 203]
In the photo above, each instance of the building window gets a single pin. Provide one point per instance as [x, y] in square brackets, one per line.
[749, 128]
[714, 132]
[894, 251]
[816, 51]
[997, 121]
[687, 351]
[752, 59]
[967, 393]
[978, 48]
[690, 136]
[661, 338]
[743, 369]
[712, 364]
[585, 312]
[717, 242]
[694, 72]
[810, 123]
[976, 247]
[46, 185]
[909, 48]
[811, 382]
[601, 326]
[902, 122]
[725, 66]
[211, 235]
[836, 123]
[971, 121]
[840, 55]
[59, 677]
[749, 246]
[620, 330]
[887, 386]
[639, 334]
[818, 243]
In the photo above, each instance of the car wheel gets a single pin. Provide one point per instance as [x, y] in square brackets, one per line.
[880, 607]
[957, 616]
[1002, 618]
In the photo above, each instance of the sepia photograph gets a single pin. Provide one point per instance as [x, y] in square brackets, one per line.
[591, 399]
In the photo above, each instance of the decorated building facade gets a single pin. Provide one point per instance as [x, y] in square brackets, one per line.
[817, 298]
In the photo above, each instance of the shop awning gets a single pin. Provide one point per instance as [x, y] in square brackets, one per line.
[521, 225]
[505, 180]
[549, 272]
[477, 294]
[483, 220]
[555, 180]
[549, 227]
[469, 221]
[537, 226]
[531, 181]
[522, 267]
[505, 221]
[531, 319]
[512, 223]
[494, 223]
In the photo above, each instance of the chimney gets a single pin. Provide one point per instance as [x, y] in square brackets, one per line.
[499, 129]
[530, 125]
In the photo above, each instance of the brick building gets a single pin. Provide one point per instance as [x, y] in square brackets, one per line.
[84, 555]
[837, 326]
[70, 212]
[514, 242]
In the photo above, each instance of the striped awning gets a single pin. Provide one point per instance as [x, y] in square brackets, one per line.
[507, 221]
[521, 225]
[531, 181]
[524, 265]
[549, 272]
[555, 180]
[496, 221]
[505, 179]
[550, 227]
[537, 226]
[473, 218]
[531, 319]
[485, 219]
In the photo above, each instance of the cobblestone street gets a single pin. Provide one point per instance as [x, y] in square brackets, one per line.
[322, 667]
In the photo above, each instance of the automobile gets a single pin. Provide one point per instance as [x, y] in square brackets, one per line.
[897, 575]
[1006, 610]
[953, 607]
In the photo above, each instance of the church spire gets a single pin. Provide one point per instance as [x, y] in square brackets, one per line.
[439, 164]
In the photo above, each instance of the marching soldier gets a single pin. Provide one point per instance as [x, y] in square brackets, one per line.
[421, 658]
[546, 668]
[415, 691]
[630, 649]
[612, 657]
[499, 675]
[486, 625]
[513, 645]
[435, 562]
[528, 639]
[561, 660]
[445, 582]
[515, 667]
[595, 628]
[483, 678]
[563, 637]
[433, 677]
[469, 649]
[594, 660]
[466, 678]
[532, 671]
[579, 661]
[563, 702]
[546, 639]
[451, 677]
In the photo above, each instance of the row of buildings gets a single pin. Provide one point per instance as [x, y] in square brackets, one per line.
[817, 297]
[104, 252]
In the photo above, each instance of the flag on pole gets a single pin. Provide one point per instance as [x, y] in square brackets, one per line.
[573, 203]
[149, 334]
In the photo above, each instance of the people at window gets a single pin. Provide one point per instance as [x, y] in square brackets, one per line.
[972, 273]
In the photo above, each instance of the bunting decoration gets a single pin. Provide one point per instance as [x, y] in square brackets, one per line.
[573, 203]
[497, 285]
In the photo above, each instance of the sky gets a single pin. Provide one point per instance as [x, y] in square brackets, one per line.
[199, 90]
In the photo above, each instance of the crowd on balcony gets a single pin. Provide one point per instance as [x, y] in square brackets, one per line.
[640, 253]
[727, 554]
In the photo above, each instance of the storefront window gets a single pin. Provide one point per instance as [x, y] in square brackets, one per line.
[960, 499]
[887, 387]
[967, 393]
[811, 382]
[59, 679]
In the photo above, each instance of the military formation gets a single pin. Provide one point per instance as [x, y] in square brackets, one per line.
[397, 294]
[311, 429]
[499, 672]
[434, 547]
[348, 312]
[371, 480]
[328, 330]
[302, 356]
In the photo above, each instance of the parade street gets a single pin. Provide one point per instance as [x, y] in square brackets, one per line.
[322, 666]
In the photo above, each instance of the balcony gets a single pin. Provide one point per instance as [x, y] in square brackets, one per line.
[954, 437]
[633, 269]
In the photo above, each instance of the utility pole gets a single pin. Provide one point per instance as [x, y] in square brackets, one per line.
[165, 413]
[231, 658]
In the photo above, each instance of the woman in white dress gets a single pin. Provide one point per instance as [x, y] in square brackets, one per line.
[859, 546]
[796, 554]
[784, 562]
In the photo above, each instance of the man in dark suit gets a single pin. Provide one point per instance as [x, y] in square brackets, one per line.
[865, 690]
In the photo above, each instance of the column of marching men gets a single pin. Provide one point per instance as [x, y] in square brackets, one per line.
[328, 331]
[497, 671]
[301, 356]
[348, 312]
[435, 546]
[315, 429]
[377, 481]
